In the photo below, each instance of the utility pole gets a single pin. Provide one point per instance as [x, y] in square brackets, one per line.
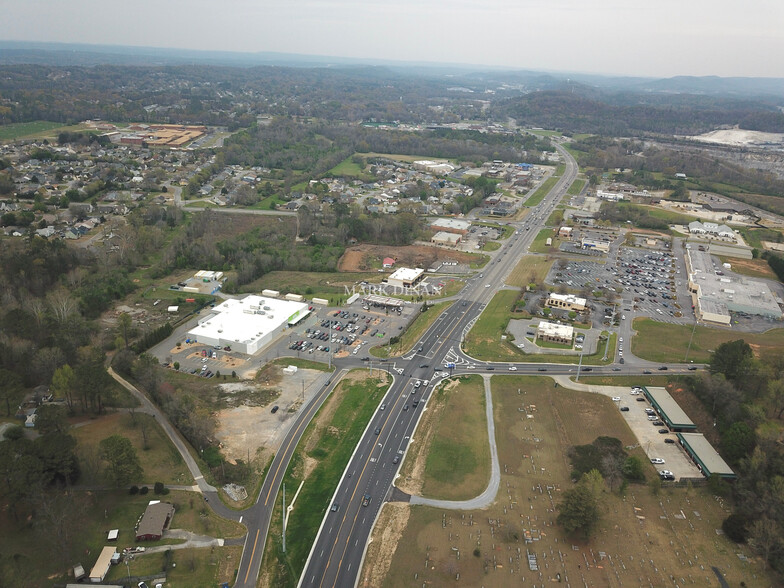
[686, 357]
[284, 517]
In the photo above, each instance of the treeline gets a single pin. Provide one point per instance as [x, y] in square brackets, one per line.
[618, 115]
[745, 395]
[709, 171]
[776, 263]
[311, 149]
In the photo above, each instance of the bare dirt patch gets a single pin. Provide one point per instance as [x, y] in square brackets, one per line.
[248, 424]
[367, 257]
[388, 530]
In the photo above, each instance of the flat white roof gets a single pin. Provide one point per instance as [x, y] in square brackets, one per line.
[444, 236]
[406, 274]
[248, 319]
[554, 330]
[451, 223]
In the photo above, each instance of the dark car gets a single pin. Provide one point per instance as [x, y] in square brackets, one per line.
[396, 459]
[663, 368]
[692, 368]
[668, 440]
[657, 423]
[490, 369]
[640, 399]
[274, 409]
[425, 365]
[335, 507]
[624, 409]
[664, 431]
[366, 500]
[647, 372]
[542, 369]
[588, 369]
[378, 430]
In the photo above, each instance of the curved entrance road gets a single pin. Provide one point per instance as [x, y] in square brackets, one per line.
[487, 497]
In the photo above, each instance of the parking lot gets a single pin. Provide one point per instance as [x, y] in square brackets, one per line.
[655, 444]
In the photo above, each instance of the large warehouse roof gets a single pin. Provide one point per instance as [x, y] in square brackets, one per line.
[406, 274]
[670, 411]
[248, 319]
[705, 455]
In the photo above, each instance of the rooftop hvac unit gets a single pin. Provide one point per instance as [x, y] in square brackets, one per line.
[267, 308]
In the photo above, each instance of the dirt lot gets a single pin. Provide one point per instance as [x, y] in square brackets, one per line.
[249, 423]
[645, 537]
[367, 257]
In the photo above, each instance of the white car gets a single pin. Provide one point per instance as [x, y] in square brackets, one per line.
[512, 368]
[616, 398]
[658, 460]
[487, 285]
[620, 339]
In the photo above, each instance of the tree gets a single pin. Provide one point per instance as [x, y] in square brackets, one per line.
[734, 527]
[733, 359]
[738, 441]
[122, 462]
[578, 510]
[765, 536]
[51, 418]
[633, 469]
[124, 326]
[11, 389]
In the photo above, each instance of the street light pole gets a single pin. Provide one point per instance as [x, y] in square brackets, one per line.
[686, 357]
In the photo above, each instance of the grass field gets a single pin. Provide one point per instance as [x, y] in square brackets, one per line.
[329, 285]
[576, 187]
[641, 539]
[347, 168]
[756, 268]
[665, 342]
[530, 266]
[755, 237]
[400, 157]
[537, 197]
[28, 130]
[457, 463]
[323, 452]
[491, 246]
[539, 244]
[412, 334]
[625, 381]
[160, 460]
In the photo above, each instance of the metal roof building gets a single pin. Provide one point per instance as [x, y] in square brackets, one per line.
[705, 456]
[668, 409]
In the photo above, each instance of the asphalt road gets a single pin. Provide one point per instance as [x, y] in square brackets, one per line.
[336, 556]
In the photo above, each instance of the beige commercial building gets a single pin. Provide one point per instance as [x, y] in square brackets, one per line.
[554, 333]
[566, 302]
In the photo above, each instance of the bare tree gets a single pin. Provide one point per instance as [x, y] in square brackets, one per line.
[62, 304]
[764, 535]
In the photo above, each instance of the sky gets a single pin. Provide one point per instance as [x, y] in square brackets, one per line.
[659, 38]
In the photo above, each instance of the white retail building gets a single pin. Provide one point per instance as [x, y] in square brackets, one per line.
[249, 324]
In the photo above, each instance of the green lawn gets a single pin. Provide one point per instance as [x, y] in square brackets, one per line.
[665, 342]
[539, 244]
[530, 266]
[327, 445]
[576, 187]
[347, 168]
[541, 192]
[544, 132]
[484, 342]
[458, 465]
[413, 333]
[329, 285]
[15, 131]
[491, 246]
